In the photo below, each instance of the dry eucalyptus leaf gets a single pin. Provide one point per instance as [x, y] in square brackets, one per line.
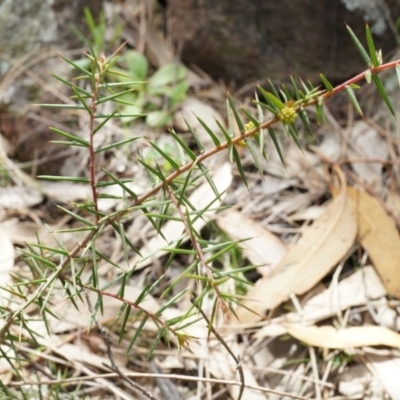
[322, 245]
[354, 291]
[263, 247]
[329, 337]
[393, 201]
[378, 235]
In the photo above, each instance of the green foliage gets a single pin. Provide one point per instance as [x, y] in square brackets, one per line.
[167, 86]
[174, 169]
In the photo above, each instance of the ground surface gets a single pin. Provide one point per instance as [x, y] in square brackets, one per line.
[322, 231]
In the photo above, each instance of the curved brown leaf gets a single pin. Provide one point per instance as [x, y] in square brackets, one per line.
[380, 238]
[322, 245]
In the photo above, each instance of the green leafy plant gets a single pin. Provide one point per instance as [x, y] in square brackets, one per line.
[75, 272]
[157, 95]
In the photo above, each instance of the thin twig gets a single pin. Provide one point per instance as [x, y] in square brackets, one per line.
[167, 388]
[135, 385]
[238, 362]
[107, 341]
[169, 376]
[197, 247]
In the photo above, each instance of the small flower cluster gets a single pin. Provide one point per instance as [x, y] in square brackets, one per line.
[247, 127]
[287, 115]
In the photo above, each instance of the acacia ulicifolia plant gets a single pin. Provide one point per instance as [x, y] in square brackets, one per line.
[67, 266]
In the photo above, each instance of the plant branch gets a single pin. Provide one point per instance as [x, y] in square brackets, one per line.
[107, 342]
[107, 220]
[239, 367]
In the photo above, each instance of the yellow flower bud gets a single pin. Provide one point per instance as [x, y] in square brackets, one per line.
[287, 115]
[248, 126]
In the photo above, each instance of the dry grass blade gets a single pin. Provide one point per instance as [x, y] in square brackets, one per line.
[320, 248]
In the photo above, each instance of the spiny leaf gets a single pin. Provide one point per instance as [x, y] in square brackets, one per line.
[62, 251]
[209, 131]
[239, 165]
[371, 47]
[117, 115]
[148, 289]
[114, 96]
[62, 106]
[120, 230]
[276, 144]
[255, 157]
[273, 88]
[126, 310]
[260, 138]
[164, 155]
[138, 331]
[153, 223]
[319, 113]
[272, 110]
[272, 100]
[235, 113]
[66, 143]
[109, 261]
[184, 146]
[99, 126]
[130, 244]
[326, 83]
[65, 82]
[224, 132]
[76, 216]
[360, 47]
[294, 134]
[120, 183]
[82, 100]
[284, 93]
[383, 93]
[116, 144]
[210, 181]
[108, 85]
[295, 88]
[160, 334]
[304, 119]
[195, 136]
[57, 178]
[151, 171]
[170, 302]
[353, 99]
[78, 67]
